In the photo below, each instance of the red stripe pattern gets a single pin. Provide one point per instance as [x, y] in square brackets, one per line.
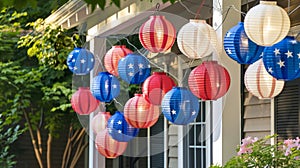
[112, 57]
[157, 34]
[83, 102]
[260, 83]
[139, 113]
[109, 147]
[209, 81]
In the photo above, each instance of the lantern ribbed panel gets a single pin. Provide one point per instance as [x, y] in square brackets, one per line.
[83, 101]
[157, 34]
[99, 121]
[109, 147]
[134, 69]
[119, 129]
[80, 61]
[112, 57]
[139, 113]
[180, 106]
[267, 24]
[156, 86]
[105, 87]
[209, 81]
[239, 47]
[260, 83]
[282, 60]
[197, 39]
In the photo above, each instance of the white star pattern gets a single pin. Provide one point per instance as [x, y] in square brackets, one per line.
[106, 86]
[111, 76]
[119, 122]
[130, 65]
[173, 112]
[141, 65]
[270, 70]
[194, 112]
[280, 63]
[109, 130]
[92, 59]
[141, 73]
[75, 68]
[228, 51]
[276, 51]
[262, 54]
[73, 60]
[119, 131]
[228, 34]
[149, 66]
[82, 61]
[111, 121]
[114, 86]
[289, 54]
[293, 41]
[88, 69]
[130, 74]
[298, 55]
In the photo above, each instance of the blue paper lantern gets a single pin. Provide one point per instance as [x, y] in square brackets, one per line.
[180, 106]
[119, 129]
[105, 87]
[282, 60]
[239, 47]
[80, 61]
[134, 69]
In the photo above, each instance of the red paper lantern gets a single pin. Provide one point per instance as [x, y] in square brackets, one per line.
[209, 81]
[83, 102]
[156, 86]
[139, 113]
[99, 121]
[109, 147]
[157, 34]
[112, 57]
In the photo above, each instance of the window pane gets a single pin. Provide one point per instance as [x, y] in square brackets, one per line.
[200, 135]
[201, 158]
[191, 157]
[191, 135]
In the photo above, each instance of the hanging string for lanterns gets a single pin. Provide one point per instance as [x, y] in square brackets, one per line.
[80, 61]
[83, 102]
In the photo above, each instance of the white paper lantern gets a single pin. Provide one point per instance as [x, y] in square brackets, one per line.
[267, 24]
[197, 39]
[260, 83]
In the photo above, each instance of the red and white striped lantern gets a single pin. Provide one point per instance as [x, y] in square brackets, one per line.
[260, 83]
[99, 121]
[156, 86]
[109, 147]
[157, 34]
[112, 57]
[209, 81]
[83, 102]
[139, 113]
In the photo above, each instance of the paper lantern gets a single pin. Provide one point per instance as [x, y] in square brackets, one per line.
[112, 57]
[282, 60]
[99, 121]
[267, 24]
[156, 86]
[157, 34]
[109, 147]
[105, 87]
[134, 69]
[209, 81]
[119, 129]
[180, 106]
[80, 61]
[83, 102]
[239, 47]
[139, 113]
[260, 83]
[197, 39]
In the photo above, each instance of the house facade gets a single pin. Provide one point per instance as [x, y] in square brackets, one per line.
[212, 138]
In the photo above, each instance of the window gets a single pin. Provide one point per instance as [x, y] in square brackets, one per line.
[198, 139]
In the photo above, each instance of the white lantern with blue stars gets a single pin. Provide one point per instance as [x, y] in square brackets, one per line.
[180, 106]
[119, 129]
[80, 61]
[134, 69]
[239, 47]
[105, 87]
[282, 60]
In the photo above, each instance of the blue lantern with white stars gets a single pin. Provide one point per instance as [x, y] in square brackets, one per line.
[134, 69]
[180, 106]
[80, 61]
[282, 60]
[239, 47]
[119, 129]
[105, 87]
